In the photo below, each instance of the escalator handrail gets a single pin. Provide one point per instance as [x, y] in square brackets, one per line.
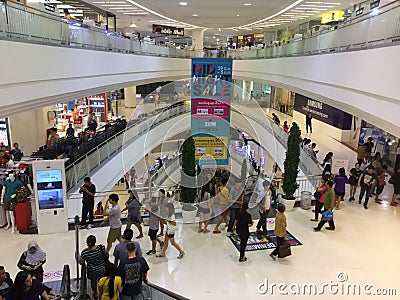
[166, 292]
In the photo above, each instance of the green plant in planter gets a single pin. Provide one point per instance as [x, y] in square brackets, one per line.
[291, 164]
[188, 174]
[243, 171]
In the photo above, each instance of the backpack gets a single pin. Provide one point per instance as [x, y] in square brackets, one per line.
[22, 194]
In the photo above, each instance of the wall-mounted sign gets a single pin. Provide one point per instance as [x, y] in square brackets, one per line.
[333, 16]
[359, 11]
[374, 4]
[168, 30]
[323, 112]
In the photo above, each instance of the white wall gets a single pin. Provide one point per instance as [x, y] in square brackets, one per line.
[37, 75]
[29, 128]
[362, 83]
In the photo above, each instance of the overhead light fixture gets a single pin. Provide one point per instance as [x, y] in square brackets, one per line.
[237, 15]
[183, 3]
[133, 25]
[247, 4]
[219, 29]
[195, 15]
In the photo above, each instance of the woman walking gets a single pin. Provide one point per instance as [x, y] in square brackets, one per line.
[134, 217]
[170, 235]
[280, 230]
[395, 180]
[319, 203]
[340, 181]
[242, 223]
[204, 209]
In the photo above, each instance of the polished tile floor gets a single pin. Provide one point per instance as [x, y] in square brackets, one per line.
[364, 246]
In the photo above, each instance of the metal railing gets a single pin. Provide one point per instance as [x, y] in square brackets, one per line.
[305, 184]
[26, 24]
[80, 168]
[93, 159]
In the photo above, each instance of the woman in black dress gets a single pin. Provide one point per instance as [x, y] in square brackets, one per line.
[242, 223]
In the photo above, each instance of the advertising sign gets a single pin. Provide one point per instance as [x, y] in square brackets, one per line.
[323, 112]
[168, 30]
[211, 93]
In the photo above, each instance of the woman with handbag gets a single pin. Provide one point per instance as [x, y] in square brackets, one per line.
[319, 196]
[170, 234]
[280, 230]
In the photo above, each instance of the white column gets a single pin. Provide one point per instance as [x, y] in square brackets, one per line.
[130, 96]
[197, 39]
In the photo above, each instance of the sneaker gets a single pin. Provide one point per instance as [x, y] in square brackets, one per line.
[243, 259]
[330, 228]
[359, 201]
[272, 256]
[314, 220]
[316, 229]
[151, 252]
[378, 201]
[89, 226]
[139, 236]
[181, 255]
[366, 207]
[229, 233]
[160, 255]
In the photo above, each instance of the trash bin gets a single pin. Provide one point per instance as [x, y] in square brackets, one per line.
[305, 200]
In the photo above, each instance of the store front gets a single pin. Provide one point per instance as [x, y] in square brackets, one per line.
[325, 118]
[282, 100]
[384, 143]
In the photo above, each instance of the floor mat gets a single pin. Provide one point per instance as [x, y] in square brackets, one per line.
[259, 242]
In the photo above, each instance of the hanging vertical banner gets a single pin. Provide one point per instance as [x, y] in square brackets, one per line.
[211, 93]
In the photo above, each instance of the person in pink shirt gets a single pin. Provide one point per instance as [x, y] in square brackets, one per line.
[319, 203]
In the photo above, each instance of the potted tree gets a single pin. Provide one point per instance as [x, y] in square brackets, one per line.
[188, 181]
[291, 164]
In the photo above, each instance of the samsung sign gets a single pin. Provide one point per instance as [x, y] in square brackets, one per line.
[168, 30]
[323, 112]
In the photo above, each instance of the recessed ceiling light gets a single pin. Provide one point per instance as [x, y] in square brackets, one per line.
[183, 3]
[195, 15]
[237, 15]
[247, 4]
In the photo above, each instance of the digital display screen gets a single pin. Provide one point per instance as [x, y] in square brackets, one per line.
[50, 190]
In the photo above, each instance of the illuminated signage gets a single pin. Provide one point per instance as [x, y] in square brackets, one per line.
[374, 4]
[333, 16]
[168, 30]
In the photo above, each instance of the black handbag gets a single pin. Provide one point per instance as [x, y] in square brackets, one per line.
[317, 195]
[284, 250]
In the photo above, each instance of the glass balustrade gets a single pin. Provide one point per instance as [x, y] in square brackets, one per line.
[25, 24]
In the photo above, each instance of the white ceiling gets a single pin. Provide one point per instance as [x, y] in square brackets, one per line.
[221, 17]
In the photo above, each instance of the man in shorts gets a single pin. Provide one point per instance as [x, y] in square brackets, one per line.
[133, 206]
[114, 216]
[152, 209]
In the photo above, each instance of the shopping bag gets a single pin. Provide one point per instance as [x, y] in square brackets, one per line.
[327, 216]
[284, 250]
